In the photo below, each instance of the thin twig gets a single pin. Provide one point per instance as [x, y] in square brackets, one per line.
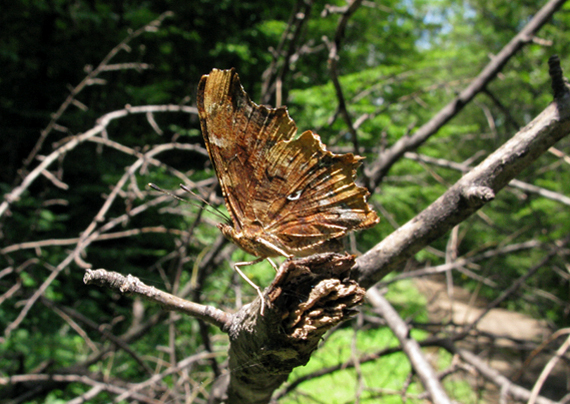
[548, 368]
[474, 190]
[507, 387]
[91, 78]
[334, 48]
[75, 141]
[524, 186]
[410, 346]
[132, 285]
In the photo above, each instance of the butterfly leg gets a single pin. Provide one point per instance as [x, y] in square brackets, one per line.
[273, 247]
[237, 265]
[273, 264]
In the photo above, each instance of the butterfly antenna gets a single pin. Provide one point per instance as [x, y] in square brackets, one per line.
[215, 210]
[164, 191]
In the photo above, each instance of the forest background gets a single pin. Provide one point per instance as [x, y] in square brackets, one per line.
[361, 82]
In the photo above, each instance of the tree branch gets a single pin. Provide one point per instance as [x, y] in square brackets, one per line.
[410, 346]
[75, 141]
[132, 285]
[91, 79]
[308, 297]
[507, 387]
[272, 78]
[387, 158]
[334, 47]
[548, 368]
[523, 186]
[469, 194]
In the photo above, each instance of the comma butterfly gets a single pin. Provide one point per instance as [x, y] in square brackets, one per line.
[286, 196]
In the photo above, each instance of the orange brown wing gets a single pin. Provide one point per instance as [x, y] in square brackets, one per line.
[307, 195]
[238, 134]
[291, 194]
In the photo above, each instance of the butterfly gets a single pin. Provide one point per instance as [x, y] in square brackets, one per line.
[287, 196]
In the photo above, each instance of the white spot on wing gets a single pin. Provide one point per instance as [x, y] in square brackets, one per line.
[295, 195]
[219, 141]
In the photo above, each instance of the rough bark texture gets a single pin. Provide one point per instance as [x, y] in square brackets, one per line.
[308, 297]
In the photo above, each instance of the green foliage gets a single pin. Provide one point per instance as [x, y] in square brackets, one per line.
[400, 62]
[381, 386]
[338, 350]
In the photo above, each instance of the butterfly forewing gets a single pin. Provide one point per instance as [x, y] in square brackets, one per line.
[237, 134]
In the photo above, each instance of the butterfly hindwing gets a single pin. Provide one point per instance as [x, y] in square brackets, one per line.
[318, 201]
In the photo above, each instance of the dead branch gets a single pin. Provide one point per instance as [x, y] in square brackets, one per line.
[387, 158]
[90, 233]
[462, 261]
[519, 282]
[308, 297]
[37, 380]
[75, 141]
[469, 194]
[276, 72]
[334, 47]
[524, 186]
[506, 386]
[410, 346]
[92, 78]
[101, 237]
[548, 368]
[132, 285]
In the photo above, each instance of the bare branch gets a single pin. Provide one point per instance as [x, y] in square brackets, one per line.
[159, 376]
[518, 283]
[388, 157]
[548, 368]
[133, 285]
[89, 234]
[410, 346]
[101, 126]
[456, 264]
[524, 186]
[91, 78]
[469, 194]
[308, 297]
[334, 47]
[507, 387]
[101, 237]
[273, 78]
[63, 378]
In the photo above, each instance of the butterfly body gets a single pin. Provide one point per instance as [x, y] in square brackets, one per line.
[286, 196]
[254, 241]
